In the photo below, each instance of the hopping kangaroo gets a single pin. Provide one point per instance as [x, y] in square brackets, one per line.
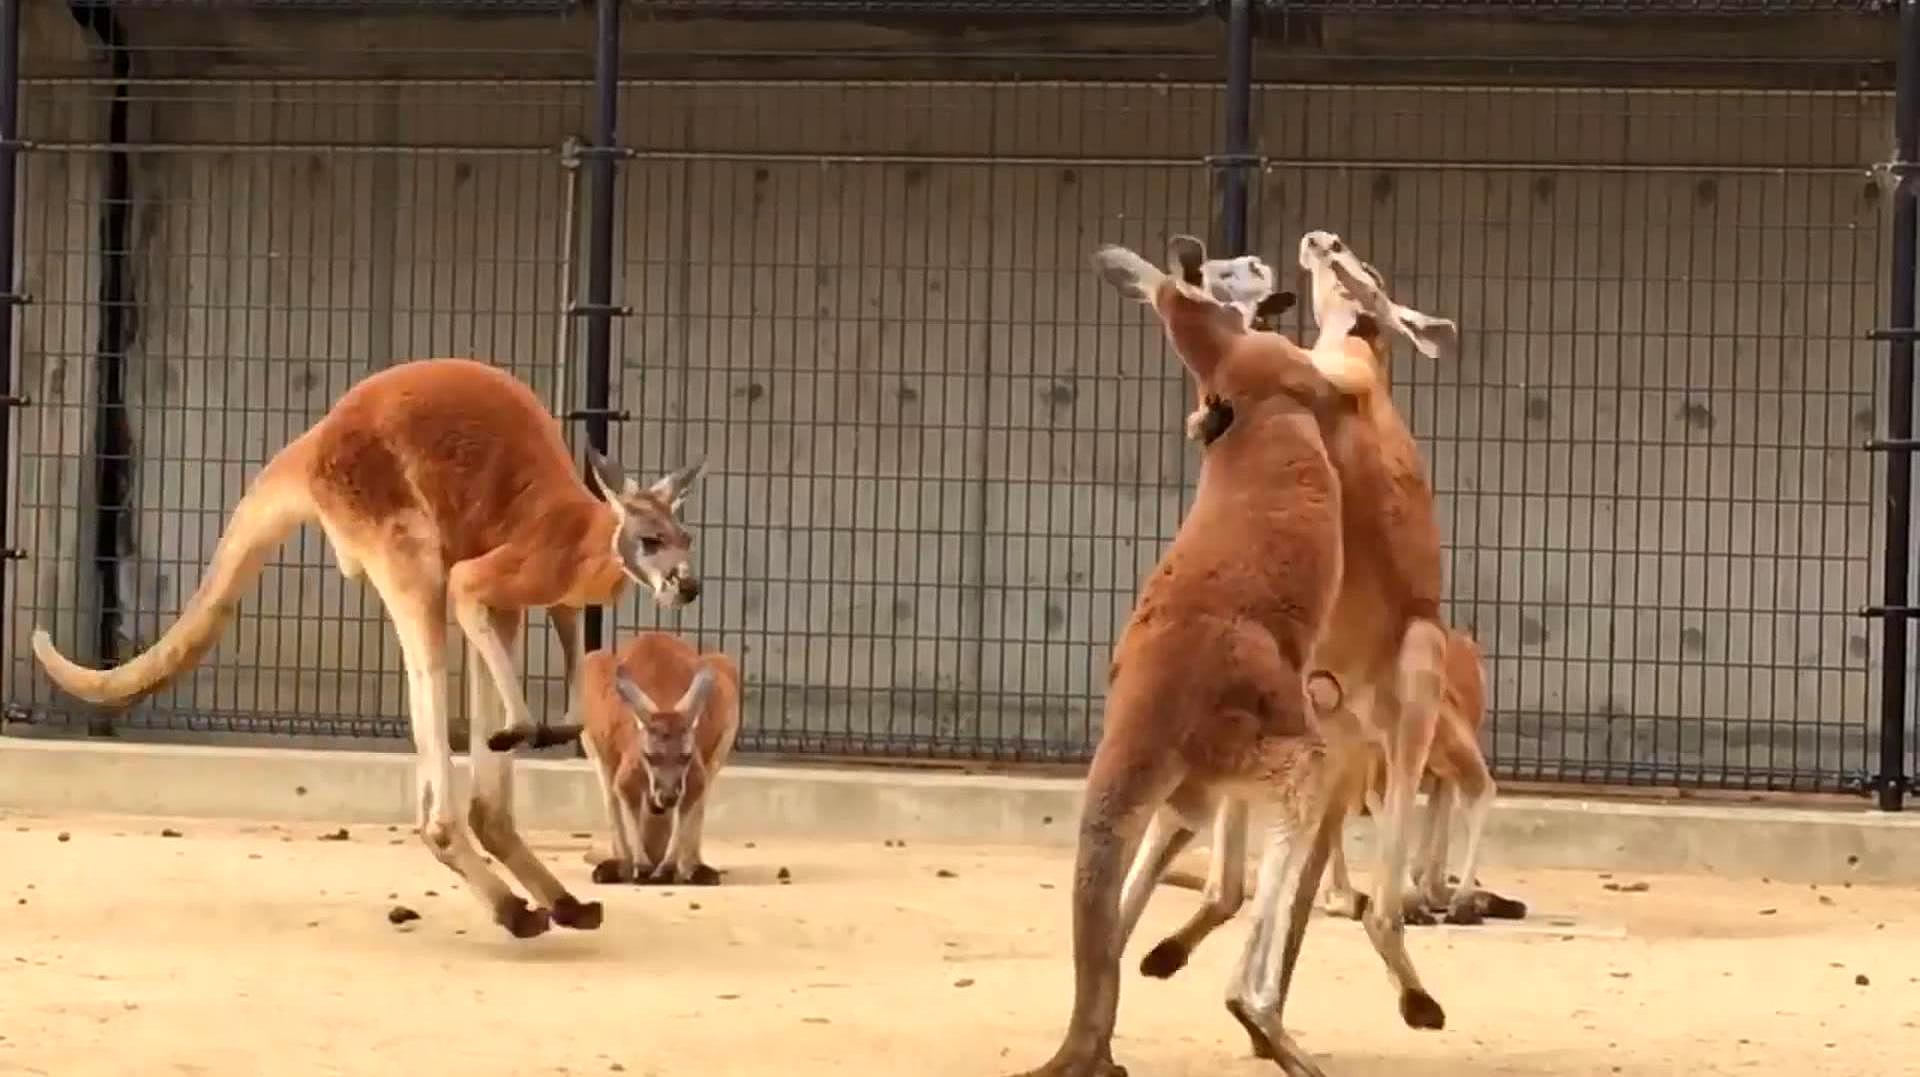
[1208, 697]
[442, 482]
[656, 760]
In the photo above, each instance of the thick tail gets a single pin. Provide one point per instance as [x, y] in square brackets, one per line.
[269, 512]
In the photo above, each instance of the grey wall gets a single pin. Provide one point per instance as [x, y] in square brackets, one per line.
[943, 456]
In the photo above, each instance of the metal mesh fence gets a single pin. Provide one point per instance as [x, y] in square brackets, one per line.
[941, 455]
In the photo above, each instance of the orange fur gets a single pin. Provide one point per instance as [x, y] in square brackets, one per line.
[663, 667]
[445, 482]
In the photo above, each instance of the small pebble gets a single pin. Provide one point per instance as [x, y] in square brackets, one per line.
[1768, 912]
[1860, 980]
[1629, 888]
[784, 875]
[253, 856]
[617, 1068]
[1620, 975]
[433, 893]
[749, 845]
[727, 998]
[943, 873]
[400, 914]
[64, 836]
[1825, 900]
[963, 982]
[816, 1021]
[694, 905]
[170, 832]
[337, 835]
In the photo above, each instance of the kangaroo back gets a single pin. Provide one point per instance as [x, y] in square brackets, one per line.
[272, 508]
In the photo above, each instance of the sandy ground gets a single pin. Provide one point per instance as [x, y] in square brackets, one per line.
[253, 949]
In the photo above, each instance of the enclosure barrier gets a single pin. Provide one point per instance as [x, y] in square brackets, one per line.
[838, 248]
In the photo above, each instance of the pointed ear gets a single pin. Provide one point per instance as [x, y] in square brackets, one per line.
[1187, 255]
[1274, 305]
[674, 487]
[637, 701]
[694, 702]
[1435, 338]
[613, 481]
[1131, 275]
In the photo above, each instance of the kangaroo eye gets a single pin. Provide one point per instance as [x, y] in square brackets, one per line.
[1336, 246]
[649, 546]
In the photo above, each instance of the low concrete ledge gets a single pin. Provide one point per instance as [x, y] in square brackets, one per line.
[751, 802]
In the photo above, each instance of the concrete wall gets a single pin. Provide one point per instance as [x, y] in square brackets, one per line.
[943, 455]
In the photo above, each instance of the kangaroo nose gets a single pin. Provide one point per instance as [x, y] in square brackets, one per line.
[689, 589]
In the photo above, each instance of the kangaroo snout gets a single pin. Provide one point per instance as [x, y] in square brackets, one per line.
[689, 589]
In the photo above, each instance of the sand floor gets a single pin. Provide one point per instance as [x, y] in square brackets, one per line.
[258, 949]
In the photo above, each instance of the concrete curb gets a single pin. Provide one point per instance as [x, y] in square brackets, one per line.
[751, 802]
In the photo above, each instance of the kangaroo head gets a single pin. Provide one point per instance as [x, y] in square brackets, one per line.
[667, 743]
[1350, 299]
[1247, 283]
[652, 547]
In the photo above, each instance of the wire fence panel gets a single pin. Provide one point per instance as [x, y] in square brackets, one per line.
[942, 454]
[275, 241]
[1646, 460]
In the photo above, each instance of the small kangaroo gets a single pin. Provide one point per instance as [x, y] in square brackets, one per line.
[657, 761]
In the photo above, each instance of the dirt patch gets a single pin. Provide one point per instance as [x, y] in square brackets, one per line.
[233, 951]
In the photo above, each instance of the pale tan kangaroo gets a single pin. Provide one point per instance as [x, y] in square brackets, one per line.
[1456, 767]
[443, 482]
[1207, 698]
[657, 761]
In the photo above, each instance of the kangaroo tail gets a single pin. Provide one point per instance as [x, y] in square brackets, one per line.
[534, 736]
[272, 508]
[1185, 880]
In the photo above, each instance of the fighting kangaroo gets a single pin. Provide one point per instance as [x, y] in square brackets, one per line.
[657, 761]
[1208, 695]
[442, 482]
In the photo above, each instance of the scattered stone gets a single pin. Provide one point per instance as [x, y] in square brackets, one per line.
[1853, 861]
[64, 836]
[694, 905]
[1861, 980]
[617, 1068]
[1046, 886]
[943, 873]
[337, 835]
[169, 832]
[750, 845]
[433, 893]
[963, 982]
[23, 901]
[815, 1021]
[1768, 912]
[400, 914]
[1825, 900]
[1620, 975]
[1629, 888]
[727, 998]
[784, 876]
[253, 856]
[585, 836]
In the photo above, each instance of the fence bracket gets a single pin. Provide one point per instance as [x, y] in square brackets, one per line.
[611, 415]
[602, 310]
[15, 299]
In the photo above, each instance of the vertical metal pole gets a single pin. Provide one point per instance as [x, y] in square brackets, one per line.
[598, 308]
[1894, 592]
[1238, 158]
[9, 298]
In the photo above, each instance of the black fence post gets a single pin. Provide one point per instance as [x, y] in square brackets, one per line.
[10, 298]
[1238, 159]
[602, 154]
[1890, 784]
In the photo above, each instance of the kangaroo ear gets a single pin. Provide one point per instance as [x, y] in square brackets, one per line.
[1187, 256]
[694, 702]
[637, 701]
[1274, 305]
[1131, 275]
[614, 483]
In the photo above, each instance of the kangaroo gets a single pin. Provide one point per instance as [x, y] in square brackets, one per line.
[441, 482]
[1326, 257]
[1455, 767]
[657, 762]
[1208, 697]
[1383, 640]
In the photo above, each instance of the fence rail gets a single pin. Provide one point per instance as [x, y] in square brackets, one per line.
[941, 457]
